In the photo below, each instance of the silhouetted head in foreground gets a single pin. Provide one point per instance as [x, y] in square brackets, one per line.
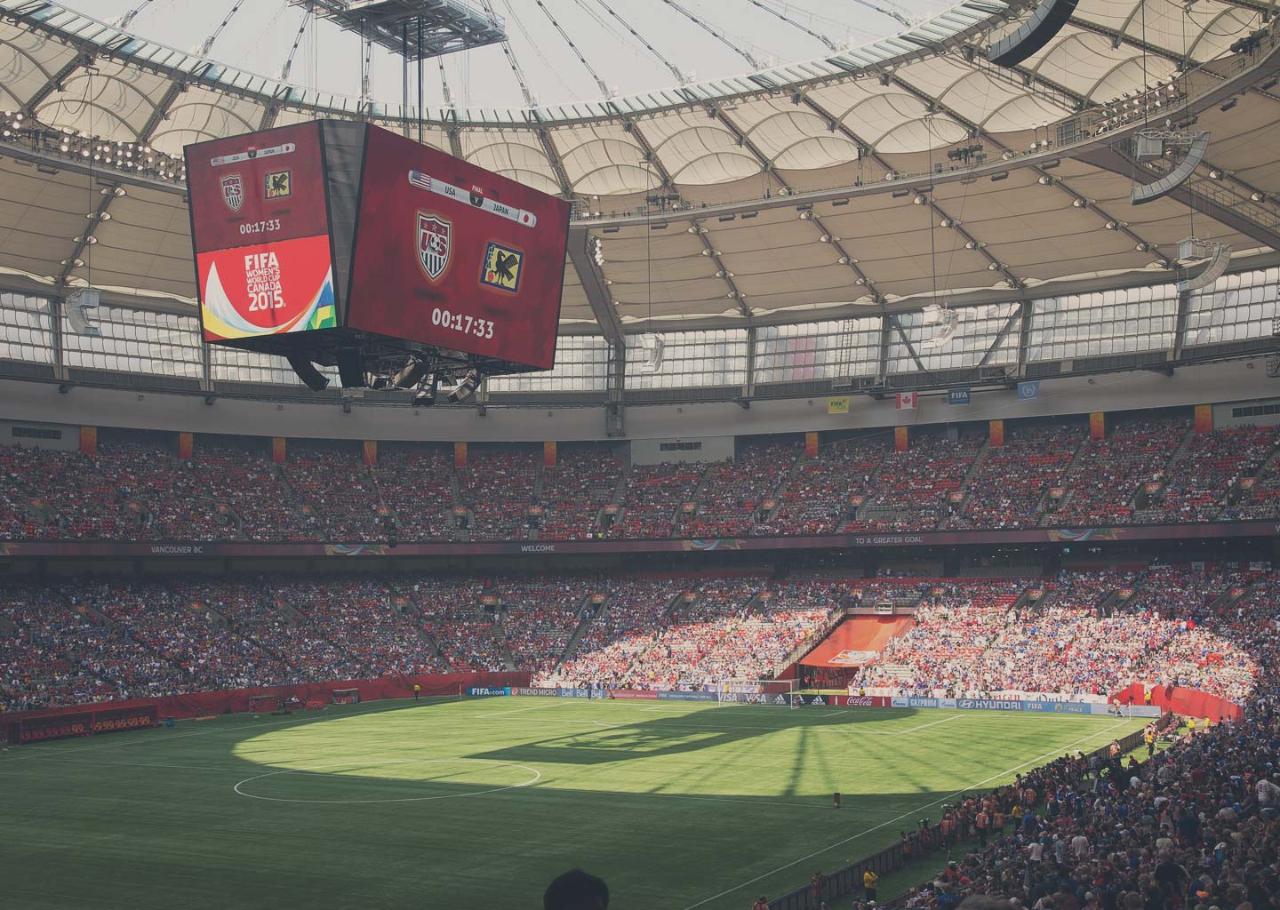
[576, 890]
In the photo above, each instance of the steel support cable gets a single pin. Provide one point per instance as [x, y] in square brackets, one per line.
[127, 19]
[297, 42]
[755, 64]
[604, 89]
[675, 70]
[804, 28]
[222, 26]
[507, 52]
[444, 84]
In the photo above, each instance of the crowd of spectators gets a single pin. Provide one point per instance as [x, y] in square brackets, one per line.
[1082, 637]
[576, 490]
[819, 495]
[1085, 633]
[334, 492]
[1105, 476]
[416, 484]
[1047, 473]
[740, 627]
[1196, 827]
[913, 489]
[497, 488]
[1007, 489]
[731, 500]
[1200, 479]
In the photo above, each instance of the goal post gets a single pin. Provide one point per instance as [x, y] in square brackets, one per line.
[265, 704]
[779, 692]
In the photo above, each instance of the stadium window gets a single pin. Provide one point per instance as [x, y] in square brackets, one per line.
[1103, 323]
[25, 328]
[1238, 307]
[136, 341]
[1256, 410]
[814, 351]
[977, 329]
[582, 365]
[35, 433]
[234, 365]
[703, 359]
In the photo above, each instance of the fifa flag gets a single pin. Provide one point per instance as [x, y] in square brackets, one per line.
[88, 440]
[371, 452]
[901, 441]
[278, 449]
[838, 405]
[1029, 390]
[1204, 418]
[186, 445]
[908, 401]
[550, 454]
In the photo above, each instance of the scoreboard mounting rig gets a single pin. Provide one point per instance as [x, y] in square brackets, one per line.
[343, 244]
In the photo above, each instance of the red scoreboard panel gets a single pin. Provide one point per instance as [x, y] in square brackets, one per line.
[260, 230]
[451, 255]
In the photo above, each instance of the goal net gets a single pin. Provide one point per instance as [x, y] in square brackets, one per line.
[346, 696]
[264, 704]
[780, 692]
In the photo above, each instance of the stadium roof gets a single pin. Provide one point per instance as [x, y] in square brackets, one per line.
[862, 179]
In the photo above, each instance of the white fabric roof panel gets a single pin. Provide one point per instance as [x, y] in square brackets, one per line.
[517, 154]
[199, 114]
[603, 160]
[777, 259]
[28, 60]
[697, 149]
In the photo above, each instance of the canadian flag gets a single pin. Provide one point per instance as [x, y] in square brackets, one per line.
[907, 400]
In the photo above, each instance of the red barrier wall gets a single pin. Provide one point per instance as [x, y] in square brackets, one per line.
[1191, 702]
[200, 704]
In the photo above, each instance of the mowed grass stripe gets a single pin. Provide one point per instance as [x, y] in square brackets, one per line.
[672, 803]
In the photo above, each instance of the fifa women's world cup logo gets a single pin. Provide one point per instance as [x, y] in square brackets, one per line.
[435, 236]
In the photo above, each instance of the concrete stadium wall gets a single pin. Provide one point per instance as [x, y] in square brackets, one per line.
[1219, 383]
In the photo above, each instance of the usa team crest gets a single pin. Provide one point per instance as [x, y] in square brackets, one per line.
[233, 192]
[435, 244]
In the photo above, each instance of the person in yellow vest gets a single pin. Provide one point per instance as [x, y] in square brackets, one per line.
[417, 691]
[1191, 726]
[869, 882]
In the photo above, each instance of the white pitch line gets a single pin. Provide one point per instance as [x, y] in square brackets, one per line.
[489, 714]
[537, 776]
[932, 723]
[894, 821]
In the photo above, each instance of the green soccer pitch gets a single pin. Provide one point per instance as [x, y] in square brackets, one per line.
[479, 803]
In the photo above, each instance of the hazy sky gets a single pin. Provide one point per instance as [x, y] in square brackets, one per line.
[260, 35]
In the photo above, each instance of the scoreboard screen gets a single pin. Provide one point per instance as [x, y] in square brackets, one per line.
[328, 235]
[260, 230]
[452, 255]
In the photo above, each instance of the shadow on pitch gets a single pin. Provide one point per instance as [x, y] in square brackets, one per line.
[708, 729]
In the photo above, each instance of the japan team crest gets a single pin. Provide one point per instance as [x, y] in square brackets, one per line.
[502, 267]
[435, 243]
[233, 192]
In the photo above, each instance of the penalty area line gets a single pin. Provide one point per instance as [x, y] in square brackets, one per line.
[893, 821]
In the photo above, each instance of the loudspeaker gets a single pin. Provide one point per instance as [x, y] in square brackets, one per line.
[310, 376]
[1033, 34]
[349, 369]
